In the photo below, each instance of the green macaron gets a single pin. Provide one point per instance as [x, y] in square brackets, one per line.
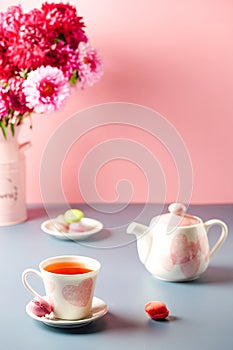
[73, 215]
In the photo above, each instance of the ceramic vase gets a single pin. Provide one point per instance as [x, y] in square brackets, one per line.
[12, 180]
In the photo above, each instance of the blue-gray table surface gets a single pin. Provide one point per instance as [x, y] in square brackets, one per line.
[201, 311]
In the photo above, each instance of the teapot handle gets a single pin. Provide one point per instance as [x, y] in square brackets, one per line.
[208, 224]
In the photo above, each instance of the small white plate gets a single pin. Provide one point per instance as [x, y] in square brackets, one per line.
[49, 227]
[99, 309]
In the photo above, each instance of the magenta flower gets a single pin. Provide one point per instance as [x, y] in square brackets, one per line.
[62, 57]
[43, 52]
[46, 89]
[11, 20]
[90, 66]
[4, 107]
[16, 96]
[9, 25]
[26, 51]
[62, 23]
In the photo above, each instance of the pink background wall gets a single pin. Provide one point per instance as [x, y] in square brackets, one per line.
[174, 56]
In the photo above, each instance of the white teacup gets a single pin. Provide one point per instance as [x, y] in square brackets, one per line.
[69, 283]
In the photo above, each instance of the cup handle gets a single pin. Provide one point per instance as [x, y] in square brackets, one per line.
[208, 224]
[27, 285]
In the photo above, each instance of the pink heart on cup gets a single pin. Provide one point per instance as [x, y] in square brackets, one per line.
[78, 295]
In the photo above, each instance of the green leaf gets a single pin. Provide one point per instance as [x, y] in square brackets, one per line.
[20, 119]
[24, 73]
[5, 85]
[12, 126]
[74, 77]
[61, 37]
[3, 130]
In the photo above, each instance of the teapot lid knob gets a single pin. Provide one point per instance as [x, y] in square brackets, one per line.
[177, 208]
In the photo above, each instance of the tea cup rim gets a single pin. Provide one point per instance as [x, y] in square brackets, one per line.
[78, 258]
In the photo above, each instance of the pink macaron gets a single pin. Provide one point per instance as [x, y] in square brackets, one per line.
[156, 310]
[40, 307]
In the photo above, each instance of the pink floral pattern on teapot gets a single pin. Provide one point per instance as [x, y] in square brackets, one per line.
[175, 246]
[187, 254]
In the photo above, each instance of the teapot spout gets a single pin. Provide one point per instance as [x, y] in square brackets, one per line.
[144, 239]
[137, 229]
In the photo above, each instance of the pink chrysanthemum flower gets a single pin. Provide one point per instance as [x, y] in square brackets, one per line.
[90, 66]
[2, 54]
[62, 23]
[4, 107]
[43, 53]
[62, 57]
[9, 26]
[11, 20]
[16, 96]
[26, 50]
[46, 89]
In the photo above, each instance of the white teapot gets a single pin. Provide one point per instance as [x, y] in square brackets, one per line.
[175, 246]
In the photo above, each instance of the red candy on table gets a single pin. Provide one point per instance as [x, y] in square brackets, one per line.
[156, 310]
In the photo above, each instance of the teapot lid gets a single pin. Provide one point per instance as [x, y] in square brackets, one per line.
[177, 217]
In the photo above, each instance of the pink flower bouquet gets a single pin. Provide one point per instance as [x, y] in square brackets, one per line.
[43, 53]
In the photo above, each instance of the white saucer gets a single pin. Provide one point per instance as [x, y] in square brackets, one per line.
[49, 227]
[99, 309]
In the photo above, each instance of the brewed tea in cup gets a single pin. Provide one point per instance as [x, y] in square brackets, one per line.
[69, 283]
